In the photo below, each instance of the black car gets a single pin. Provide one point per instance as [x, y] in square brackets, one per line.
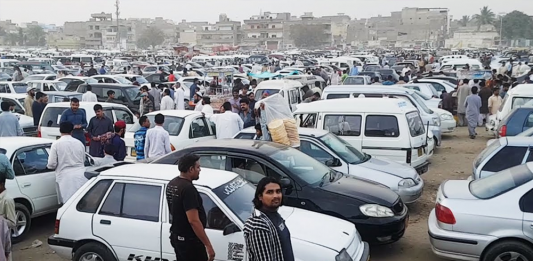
[378, 213]
[385, 73]
[127, 95]
[157, 78]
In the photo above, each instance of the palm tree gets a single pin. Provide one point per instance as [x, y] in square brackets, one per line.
[464, 20]
[485, 16]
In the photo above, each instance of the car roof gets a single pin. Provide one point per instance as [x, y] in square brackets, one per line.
[366, 88]
[115, 85]
[43, 74]
[176, 113]
[13, 95]
[519, 141]
[522, 89]
[10, 144]
[366, 105]
[84, 105]
[74, 77]
[211, 178]
[240, 145]
[64, 93]
[301, 131]
[129, 75]
[278, 84]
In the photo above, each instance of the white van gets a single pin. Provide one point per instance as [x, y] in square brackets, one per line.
[519, 96]
[291, 90]
[309, 80]
[8, 63]
[48, 61]
[381, 127]
[447, 58]
[346, 63]
[458, 64]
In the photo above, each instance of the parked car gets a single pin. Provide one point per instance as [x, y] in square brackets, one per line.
[116, 79]
[502, 154]
[119, 205]
[357, 80]
[516, 122]
[13, 87]
[519, 96]
[488, 219]
[439, 85]
[424, 88]
[125, 94]
[385, 73]
[453, 80]
[74, 81]
[185, 127]
[336, 153]
[379, 213]
[60, 96]
[34, 186]
[371, 74]
[46, 86]
[150, 69]
[40, 77]
[26, 122]
[138, 78]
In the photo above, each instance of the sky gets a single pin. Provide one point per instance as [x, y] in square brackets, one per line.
[59, 11]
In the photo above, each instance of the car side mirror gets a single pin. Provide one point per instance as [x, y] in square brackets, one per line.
[335, 162]
[230, 229]
[286, 183]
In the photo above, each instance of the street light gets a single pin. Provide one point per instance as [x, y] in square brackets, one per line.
[501, 27]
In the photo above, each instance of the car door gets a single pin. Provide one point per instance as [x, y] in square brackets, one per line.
[526, 206]
[36, 181]
[346, 126]
[322, 154]
[507, 157]
[127, 227]
[199, 130]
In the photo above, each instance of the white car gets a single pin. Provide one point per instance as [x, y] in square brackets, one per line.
[39, 77]
[184, 126]
[13, 87]
[46, 86]
[357, 80]
[34, 186]
[439, 85]
[424, 88]
[447, 122]
[104, 220]
[26, 122]
[112, 79]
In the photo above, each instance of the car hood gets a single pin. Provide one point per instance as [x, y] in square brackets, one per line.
[441, 111]
[457, 189]
[390, 167]
[340, 232]
[364, 190]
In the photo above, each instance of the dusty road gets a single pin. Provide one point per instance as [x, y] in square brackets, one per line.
[453, 160]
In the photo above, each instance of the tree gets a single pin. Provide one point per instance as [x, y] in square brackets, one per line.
[485, 16]
[464, 20]
[11, 38]
[150, 37]
[308, 35]
[2, 32]
[516, 25]
[35, 36]
[21, 37]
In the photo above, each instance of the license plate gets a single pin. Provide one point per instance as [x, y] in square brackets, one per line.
[133, 152]
[420, 152]
[406, 222]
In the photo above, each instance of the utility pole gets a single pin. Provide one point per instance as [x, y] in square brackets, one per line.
[117, 5]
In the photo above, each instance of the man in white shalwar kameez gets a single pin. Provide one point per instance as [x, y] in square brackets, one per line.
[67, 157]
[179, 98]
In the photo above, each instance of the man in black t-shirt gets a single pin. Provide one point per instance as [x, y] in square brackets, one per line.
[187, 234]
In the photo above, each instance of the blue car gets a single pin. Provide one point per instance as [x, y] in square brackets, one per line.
[518, 121]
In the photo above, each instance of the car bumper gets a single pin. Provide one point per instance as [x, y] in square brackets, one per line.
[412, 194]
[456, 245]
[448, 126]
[366, 252]
[381, 231]
[422, 168]
[62, 247]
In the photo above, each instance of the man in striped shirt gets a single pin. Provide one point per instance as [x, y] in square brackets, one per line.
[265, 233]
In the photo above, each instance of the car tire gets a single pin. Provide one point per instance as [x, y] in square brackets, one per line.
[93, 249]
[508, 246]
[22, 214]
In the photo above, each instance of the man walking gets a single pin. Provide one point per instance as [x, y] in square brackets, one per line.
[9, 122]
[472, 104]
[38, 107]
[227, 122]
[67, 157]
[462, 92]
[140, 137]
[187, 232]
[265, 233]
[179, 97]
[28, 101]
[99, 126]
[495, 101]
[484, 93]
[77, 117]
[157, 139]
[89, 96]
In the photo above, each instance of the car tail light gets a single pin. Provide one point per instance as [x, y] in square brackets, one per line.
[444, 214]
[172, 148]
[503, 131]
[87, 139]
[56, 227]
[39, 133]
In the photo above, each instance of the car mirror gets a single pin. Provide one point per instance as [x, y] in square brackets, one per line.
[230, 229]
[285, 183]
[335, 162]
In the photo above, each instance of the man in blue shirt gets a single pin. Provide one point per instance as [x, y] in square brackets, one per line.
[355, 70]
[193, 89]
[77, 117]
[389, 81]
[6, 170]
[117, 142]
[140, 137]
[9, 122]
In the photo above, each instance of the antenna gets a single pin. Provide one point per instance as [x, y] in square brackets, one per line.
[117, 12]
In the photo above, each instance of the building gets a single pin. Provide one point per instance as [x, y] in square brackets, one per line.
[265, 30]
[59, 40]
[339, 28]
[223, 32]
[325, 25]
[96, 26]
[471, 37]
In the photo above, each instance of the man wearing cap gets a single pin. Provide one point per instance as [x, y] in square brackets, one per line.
[147, 105]
[28, 101]
[198, 106]
[117, 141]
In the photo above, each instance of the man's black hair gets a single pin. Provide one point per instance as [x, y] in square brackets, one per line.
[152, 84]
[89, 87]
[226, 106]
[110, 92]
[245, 100]
[144, 88]
[159, 118]
[187, 162]
[258, 127]
[97, 107]
[5, 105]
[39, 95]
[142, 119]
[167, 92]
[207, 100]
[66, 127]
[465, 81]
[260, 189]
[109, 149]
[74, 100]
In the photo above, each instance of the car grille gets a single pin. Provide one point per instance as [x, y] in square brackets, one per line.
[30, 131]
[398, 207]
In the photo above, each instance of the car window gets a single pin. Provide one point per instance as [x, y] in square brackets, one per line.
[199, 129]
[4, 88]
[438, 87]
[529, 120]
[337, 96]
[382, 126]
[307, 120]
[123, 115]
[113, 201]
[521, 101]
[354, 81]
[315, 151]
[501, 182]
[51, 116]
[507, 157]
[213, 161]
[245, 136]
[416, 127]
[172, 124]
[412, 87]
[249, 169]
[216, 219]
[91, 200]
[343, 125]
[124, 201]
[31, 161]
[526, 202]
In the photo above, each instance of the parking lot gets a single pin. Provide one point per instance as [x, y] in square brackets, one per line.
[453, 160]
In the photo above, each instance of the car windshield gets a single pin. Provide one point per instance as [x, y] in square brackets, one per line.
[501, 182]
[122, 80]
[421, 103]
[343, 149]
[20, 87]
[354, 81]
[91, 80]
[133, 93]
[172, 124]
[150, 69]
[259, 93]
[522, 102]
[236, 194]
[486, 152]
[60, 85]
[302, 166]
[140, 80]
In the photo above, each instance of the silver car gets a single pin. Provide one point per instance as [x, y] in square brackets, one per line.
[489, 219]
[341, 156]
[502, 154]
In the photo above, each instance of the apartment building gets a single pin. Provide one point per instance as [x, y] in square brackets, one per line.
[223, 32]
[325, 24]
[265, 30]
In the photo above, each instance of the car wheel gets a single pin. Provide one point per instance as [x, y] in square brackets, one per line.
[23, 223]
[509, 250]
[93, 252]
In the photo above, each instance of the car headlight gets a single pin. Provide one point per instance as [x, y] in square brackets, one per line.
[406, 183]
[374, 210]
[446, 117]
[343, 256]
[436, 121]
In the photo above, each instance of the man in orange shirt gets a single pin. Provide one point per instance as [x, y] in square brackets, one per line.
[171, 77]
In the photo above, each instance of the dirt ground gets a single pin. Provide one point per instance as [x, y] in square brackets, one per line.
[453, 160]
